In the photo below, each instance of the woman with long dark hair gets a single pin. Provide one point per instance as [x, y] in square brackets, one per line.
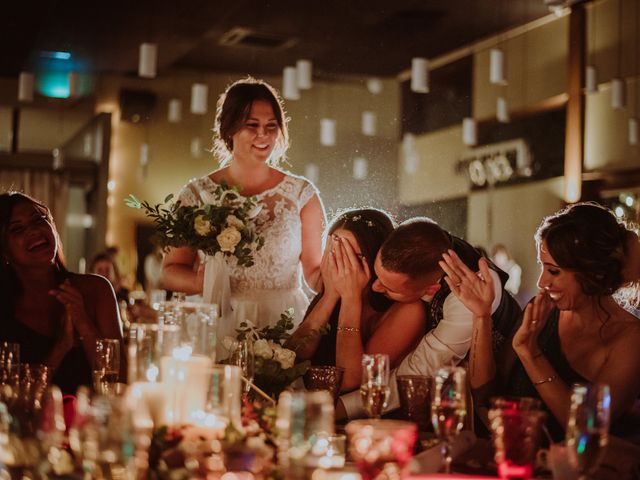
[55, 315]
[359, 319]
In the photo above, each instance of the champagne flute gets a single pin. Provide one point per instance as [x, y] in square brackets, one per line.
[587, 433]
[448, 408]
[374, 389]
[107, 365]
[242, 356]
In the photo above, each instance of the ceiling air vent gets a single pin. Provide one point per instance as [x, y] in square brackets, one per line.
[245, 37]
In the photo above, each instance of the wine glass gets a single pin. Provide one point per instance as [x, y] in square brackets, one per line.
[587, 433]
[107, 365]
[448, 408]
[374, 389]
[242, 356]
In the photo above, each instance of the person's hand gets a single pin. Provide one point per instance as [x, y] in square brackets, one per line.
[328, 271]
[143, 313]
[353, 273]
[74, 308]
[525, 341]
[475, 290]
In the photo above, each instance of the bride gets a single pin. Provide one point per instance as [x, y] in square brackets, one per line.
[251, 138]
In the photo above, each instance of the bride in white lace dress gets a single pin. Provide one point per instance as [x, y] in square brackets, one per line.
[251, 138]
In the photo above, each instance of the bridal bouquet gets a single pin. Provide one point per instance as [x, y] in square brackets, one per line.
[225, 222]
[275, 366]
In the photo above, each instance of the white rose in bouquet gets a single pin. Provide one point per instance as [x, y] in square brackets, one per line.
[209, 198]
[261, 348]
[234, 221]
[285, 357]
[228, 239]
[202, 226]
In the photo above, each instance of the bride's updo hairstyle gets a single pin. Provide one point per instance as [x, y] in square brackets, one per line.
[233, 108]
[588, 240]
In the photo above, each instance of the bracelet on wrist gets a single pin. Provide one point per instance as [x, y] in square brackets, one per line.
[546, 380]
[348, 329]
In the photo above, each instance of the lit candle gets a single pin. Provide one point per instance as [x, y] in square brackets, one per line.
[186, 378]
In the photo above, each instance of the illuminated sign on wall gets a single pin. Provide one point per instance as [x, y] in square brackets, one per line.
[496, 163]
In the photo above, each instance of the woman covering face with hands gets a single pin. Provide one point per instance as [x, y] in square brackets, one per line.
[55, 315]
[574, 330]
[359, 320]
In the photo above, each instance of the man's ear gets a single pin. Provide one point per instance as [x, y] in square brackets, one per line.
[431, 290]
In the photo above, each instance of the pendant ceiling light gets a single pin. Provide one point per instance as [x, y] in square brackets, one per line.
[196, 147]
[469, 131]
[360, 168]
[312, 172]
[591, 72]
[199, 98]
[327, 132]
[174, 112]
[25, 87]
[290, 83]
[618, 99]
[502, 110]
[374, 85]
[419, 75]
[369, 121]
[304, 74]
[617, 94]
[148, 60]
[497, 74]
[633, 131]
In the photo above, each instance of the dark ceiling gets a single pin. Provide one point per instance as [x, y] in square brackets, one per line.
[370, 37]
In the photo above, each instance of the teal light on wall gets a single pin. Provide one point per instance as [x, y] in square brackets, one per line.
[52, 77]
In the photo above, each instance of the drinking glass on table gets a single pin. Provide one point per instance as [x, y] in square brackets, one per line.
[448, 408]
[374, 389]
[587, 433]
[9, 370]
[242, 356]
[107, 365]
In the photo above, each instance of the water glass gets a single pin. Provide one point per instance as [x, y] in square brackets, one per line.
[516, 438]
[413, 391]
[374, 389]
[448, 408]
[587, 433]
[106, 369]
[381, 448]
[305, 422]
[324, 377]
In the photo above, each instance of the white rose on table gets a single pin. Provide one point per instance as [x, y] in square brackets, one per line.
[285, 357]
[228, 239]
[235, 222]
[261, 348]
[202, 226]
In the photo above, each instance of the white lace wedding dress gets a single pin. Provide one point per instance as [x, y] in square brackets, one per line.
[273, 283]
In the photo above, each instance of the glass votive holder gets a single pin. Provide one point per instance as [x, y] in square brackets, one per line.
[324, 377]
[516, 438]
[415, 404]
[379, 446]
[335, 454]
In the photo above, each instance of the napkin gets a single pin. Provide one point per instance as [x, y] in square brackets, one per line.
[430, 461]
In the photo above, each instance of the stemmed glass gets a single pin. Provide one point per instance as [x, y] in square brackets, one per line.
[374, 389]
[242, 356]
[107, 365]
[588, 427]
[448, 408]
[9, 369]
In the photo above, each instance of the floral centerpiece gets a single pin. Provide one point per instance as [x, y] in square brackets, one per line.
[223, 223]
[275, 365]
